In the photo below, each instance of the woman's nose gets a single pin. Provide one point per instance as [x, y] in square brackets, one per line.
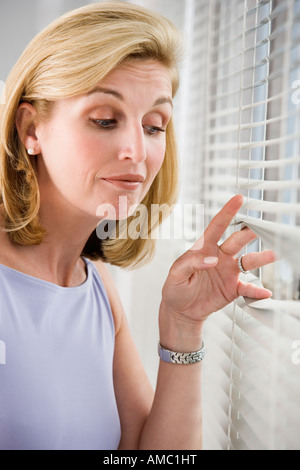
[132, 144]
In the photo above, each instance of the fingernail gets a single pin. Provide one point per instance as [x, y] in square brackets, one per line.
[210, 260]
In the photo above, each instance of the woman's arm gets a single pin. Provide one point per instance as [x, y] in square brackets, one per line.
[175, 420]
[202, 281]
[168, 425]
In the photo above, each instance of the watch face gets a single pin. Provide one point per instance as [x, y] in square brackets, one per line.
[164, 354]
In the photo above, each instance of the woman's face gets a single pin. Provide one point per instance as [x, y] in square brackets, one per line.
[108, 143]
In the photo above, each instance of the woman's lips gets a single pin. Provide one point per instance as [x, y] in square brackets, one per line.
[129, 181]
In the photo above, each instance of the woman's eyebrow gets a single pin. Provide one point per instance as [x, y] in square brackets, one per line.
[163, 100]
[107, 91]
[116, 94]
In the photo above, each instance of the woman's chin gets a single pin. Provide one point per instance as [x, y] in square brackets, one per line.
[120, 211]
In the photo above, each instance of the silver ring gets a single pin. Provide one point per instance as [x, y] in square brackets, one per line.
[241, 265]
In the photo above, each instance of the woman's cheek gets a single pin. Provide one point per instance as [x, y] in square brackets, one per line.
[158, 155]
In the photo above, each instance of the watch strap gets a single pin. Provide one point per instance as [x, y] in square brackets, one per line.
[181, 358]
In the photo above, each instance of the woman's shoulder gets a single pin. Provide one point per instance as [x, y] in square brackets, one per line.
[112, 293]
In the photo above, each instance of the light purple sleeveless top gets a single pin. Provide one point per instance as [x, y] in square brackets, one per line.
[56, 357]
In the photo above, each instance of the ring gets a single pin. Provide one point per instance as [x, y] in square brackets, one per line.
[241, 265]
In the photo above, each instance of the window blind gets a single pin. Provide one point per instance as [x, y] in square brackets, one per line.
[239, 132]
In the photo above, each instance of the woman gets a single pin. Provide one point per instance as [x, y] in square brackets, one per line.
[87, 124]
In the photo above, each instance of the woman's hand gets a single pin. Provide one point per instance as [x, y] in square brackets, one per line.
[206, 277]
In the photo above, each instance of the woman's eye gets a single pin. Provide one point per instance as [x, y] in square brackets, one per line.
[152, 130]
[105, 123]
[111, 124]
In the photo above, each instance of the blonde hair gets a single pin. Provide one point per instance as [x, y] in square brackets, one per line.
[66, 59]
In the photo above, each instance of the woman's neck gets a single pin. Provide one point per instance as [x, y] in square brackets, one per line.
[58, 258]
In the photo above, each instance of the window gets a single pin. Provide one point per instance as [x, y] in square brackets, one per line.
[242, 128]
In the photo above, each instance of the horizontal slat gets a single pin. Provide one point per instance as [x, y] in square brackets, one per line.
[248, 184]
[243, 437]
[271, 428]
[250, 145]
[218, 163]
[224, 26]
[220, 197]
[271, 207]
[246, 394]
[258, 5]
[219, 130]
[283, 95]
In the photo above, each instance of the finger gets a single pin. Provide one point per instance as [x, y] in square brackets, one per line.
[252, 291]
[256, 260]
[220, 222]
[188, 264]
[198, 245]
[237, 241]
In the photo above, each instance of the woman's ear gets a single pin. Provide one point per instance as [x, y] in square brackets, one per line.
[26, 127]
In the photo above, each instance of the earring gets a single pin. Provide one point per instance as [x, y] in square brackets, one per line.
[30, 151]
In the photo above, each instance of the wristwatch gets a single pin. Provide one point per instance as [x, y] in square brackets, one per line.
[181, 358]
